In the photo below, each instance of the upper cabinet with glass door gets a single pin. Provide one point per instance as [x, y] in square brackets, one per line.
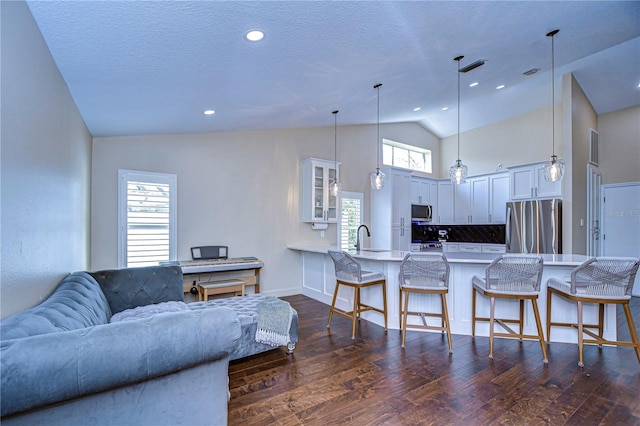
[318, 205]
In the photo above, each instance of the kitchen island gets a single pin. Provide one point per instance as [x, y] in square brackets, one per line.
[318, 282]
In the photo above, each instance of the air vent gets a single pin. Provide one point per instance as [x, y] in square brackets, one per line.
[531, 71]
[472, 66]
[593, 147]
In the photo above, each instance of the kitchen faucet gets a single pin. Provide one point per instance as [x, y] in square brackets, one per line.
[358, 235]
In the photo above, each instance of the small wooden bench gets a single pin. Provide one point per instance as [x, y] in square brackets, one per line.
[206, 289]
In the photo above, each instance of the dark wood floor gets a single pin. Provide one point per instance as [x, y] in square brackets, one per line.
[332, 380]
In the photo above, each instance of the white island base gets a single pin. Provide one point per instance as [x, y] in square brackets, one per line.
[318, 282]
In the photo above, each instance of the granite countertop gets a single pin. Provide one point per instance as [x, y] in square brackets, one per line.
[474, 258]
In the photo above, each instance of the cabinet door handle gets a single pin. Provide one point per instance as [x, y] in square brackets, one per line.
[531, 191]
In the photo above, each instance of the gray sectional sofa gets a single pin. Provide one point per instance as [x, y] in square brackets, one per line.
[65, 362]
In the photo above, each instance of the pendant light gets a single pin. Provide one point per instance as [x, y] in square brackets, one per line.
[554, 168]
[336, 186]
[458, 172]
[377, 177]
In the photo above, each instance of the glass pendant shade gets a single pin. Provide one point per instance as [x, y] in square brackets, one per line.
[458, 172]
[335, 188]
[553, 169]
[377, 179]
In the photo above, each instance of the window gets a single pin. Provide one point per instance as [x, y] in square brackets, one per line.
[406, 156]
[350, 219]
[146, 218]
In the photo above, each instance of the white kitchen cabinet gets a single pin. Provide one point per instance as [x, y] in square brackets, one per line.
[391, 212]
[493, 248]
[318, 204]
[424, 191]
[471, 203]
[527, 182]
[445, 203]
[498, 197]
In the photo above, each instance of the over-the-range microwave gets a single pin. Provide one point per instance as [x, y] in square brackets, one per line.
[421, 212]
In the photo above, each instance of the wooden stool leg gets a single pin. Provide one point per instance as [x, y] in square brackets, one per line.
[521, 323]
[491, 316]
[404, 317]
[600, 322]
[632, 329]
[580, 336]
[384, 303]
[400, 307]
[445, 320]
[536, 313]
[356, 311]
[333, 303]
[473, 312]
[549, 314]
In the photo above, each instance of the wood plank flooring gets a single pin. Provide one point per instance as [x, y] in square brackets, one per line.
[332, 380]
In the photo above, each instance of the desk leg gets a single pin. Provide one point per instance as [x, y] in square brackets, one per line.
[256, 288]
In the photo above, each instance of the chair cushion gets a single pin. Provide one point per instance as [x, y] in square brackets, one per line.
[367, 277]
[480, 284]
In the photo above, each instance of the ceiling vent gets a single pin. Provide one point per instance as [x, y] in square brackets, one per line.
[472, 66]
[531, 71]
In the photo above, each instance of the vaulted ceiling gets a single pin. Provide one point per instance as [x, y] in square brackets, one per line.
[153, 67]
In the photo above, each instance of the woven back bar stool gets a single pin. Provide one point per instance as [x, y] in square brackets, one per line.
[510, 277]
[601, 280]
[424, 274]
[350, 274]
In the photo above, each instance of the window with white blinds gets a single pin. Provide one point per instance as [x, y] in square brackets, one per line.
[147, 218]
[350, 219]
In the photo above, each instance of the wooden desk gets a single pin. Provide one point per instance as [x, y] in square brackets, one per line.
[246, 269]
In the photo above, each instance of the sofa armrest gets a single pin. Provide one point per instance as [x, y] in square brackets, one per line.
[45, 369]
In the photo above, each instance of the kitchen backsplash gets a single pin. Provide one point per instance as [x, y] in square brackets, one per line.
[486, 234]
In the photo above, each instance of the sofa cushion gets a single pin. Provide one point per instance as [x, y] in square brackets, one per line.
[131, 287]
[78, 302]
[149, 311]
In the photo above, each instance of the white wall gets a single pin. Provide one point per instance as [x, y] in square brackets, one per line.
[46, 158]
[579, 118]
[240, 189]
[520, 140]
[619, 135]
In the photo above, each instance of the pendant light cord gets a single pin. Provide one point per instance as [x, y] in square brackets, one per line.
[377, 87]
[553, 92]
[457, 59]
[335, 141]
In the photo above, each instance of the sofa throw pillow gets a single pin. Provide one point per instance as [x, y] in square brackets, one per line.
[131, 287]
[149, 311]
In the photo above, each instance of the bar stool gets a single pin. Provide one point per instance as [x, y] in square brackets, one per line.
[510, 277]
[424, 274]
[601, 280]
[350, 274]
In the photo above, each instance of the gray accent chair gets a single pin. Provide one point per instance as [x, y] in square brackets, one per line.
[63, 362]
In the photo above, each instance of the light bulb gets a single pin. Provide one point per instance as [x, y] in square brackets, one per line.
[336, 187]
[377, 179]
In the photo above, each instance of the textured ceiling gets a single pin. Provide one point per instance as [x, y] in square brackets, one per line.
[142, 67]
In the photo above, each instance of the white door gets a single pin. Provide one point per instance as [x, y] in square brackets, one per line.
[621, 222]
[594, 180]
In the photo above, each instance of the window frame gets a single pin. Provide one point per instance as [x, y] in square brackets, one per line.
[124, 177]
[344, 195]
[428, 162]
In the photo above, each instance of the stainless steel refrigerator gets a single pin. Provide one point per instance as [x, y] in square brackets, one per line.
[534, 226]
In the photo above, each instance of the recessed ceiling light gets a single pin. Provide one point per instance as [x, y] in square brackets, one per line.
[416, 109]
[500, 87]
[209, 112]
[444, 108]
[473, 84]
[254, 35]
